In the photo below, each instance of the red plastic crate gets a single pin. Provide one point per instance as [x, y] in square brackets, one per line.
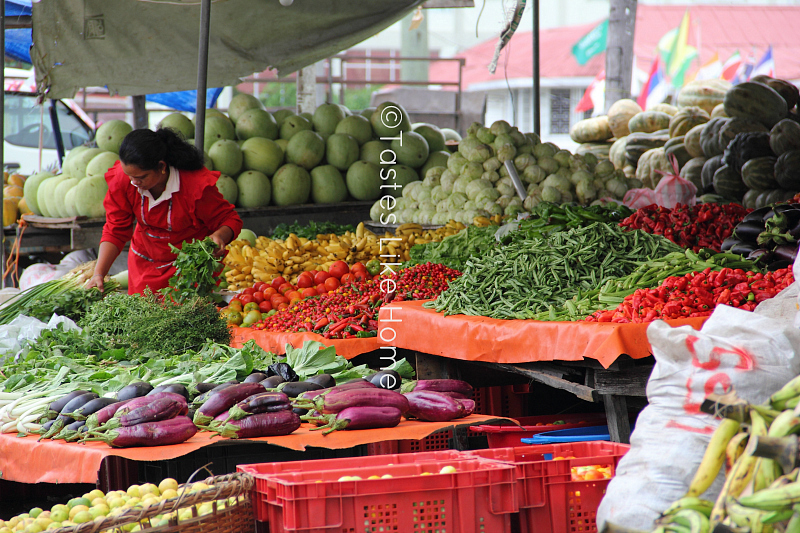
[478, 498]
[509, 436]
[505, 400]
[435, 441]
[549, 501]
[263, 471]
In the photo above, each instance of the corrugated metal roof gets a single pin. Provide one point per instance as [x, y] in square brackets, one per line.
[715, 28]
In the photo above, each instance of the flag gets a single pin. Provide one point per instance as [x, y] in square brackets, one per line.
[594, 96]
[731, 66]
[710, 70]
[744, 70]
[766, 66]
[591, 44]
[656, 89]
[676, 53]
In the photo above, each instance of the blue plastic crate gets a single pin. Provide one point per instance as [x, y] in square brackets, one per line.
[570, 435]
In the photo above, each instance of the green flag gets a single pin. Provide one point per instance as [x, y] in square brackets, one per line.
[591, 44]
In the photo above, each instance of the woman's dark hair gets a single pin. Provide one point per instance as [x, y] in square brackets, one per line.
[145, 148]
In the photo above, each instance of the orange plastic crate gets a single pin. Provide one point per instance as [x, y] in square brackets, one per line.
[479, 497]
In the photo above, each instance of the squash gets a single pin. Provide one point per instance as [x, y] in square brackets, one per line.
[685, 119]
[719, 111]
[763, 198]
[710, 136]
[639, 143]
[619, 114]
[693, 171]
[10, 211]
[756, 102]
[664, 108]
[750, 197]
[737, 125]
[711, 165]
[617, 152]
[676, 147]
[728, 183]
[648, 122]
[599, 149]
[590, 130]
[649, 163]
[705, 93]
[746, 146]
[787, 170]
[785, 136]
[692, 141]
[759, 173]
[787, 90]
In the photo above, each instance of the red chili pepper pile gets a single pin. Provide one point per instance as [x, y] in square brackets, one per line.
[695, 227]
[352, 310]
[697, 294]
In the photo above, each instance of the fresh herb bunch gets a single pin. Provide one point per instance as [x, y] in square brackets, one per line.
[455, 250]
[195, 267]
[147, 323]
[310, 230]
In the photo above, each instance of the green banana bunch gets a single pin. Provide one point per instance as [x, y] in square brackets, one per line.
[784, 424]
[713, 458]
[692, 503]
[773, 499]
[742, 516]
[788, 392]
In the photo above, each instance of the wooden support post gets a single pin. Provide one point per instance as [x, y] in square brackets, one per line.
[139, 112]
[435, 367]
[307, 89]
[619, 427]
[619, 51]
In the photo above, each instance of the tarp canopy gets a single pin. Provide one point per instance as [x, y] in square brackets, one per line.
[147, 46]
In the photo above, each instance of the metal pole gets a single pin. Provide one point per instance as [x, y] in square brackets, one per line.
[537, 123]
[3, 122]
[202, 74]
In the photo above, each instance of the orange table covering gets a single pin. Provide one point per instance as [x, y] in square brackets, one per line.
[27, 461]
[275, 341]
[474, 338]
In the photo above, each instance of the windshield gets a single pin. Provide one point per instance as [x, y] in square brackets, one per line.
[21, 124]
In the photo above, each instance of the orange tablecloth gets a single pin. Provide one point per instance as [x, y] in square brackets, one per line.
[474, 338]
[275, 341]
[27, 461]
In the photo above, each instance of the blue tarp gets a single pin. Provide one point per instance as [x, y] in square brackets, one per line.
[19, 42]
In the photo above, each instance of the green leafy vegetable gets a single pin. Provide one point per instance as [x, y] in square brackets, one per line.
[310, 230]
[314, 358]
[195, 269]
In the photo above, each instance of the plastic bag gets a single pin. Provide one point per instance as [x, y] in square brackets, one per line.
[22, 328]
[753, 354]
[671, 190]
[638, 198]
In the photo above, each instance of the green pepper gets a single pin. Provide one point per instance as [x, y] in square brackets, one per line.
[366, 334]
[373, 267]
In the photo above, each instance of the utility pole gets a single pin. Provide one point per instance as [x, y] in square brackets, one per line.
[619, 51]
[414, 43]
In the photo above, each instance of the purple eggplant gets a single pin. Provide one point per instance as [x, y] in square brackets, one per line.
[64, 418]
[134, 390]
[386, 379]
[365, 418]
[787, 252]
[272, 382]
[432, 406]
[221, 400]
[261, 425]
[456, 395]
[159, 409]
[259, 403]
[350, 385]
[55, 408]
[443, 385]
[175, 388]
[160, 433]
[255, 377]
[468, 405]
[293, 389]
[323, 380]
[104, 415]
[334, 402]
[91, 407]
[70, 431]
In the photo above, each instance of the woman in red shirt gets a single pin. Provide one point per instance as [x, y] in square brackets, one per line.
[161, 184]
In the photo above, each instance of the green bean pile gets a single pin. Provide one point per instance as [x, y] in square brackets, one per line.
[530, 276]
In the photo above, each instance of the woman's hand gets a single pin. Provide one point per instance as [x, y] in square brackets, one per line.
[220, 245]
[95, 281]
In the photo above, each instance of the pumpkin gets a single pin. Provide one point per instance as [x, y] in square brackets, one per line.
[785, 136]
[10, 211]
[648, 122]
[705, 93]
[617, 152]
[719, 111]
[728, 183]
[676, 147]
[664, 108]
[756, 102]
[735, 126]
[787, 170]
[649, 163]
[711, 165]
[787, 90]
[746, 146]
[619, 114]
[710, 136]
[750, 197]
[599, 149]
[763, 198]
[693, 171]
[685, 119]
[692, 141]
[759, 173]
[590, 130]
[639, 143]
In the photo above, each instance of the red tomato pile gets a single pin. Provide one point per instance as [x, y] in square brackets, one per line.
[697, 294]
[695, 227]
[352, 310]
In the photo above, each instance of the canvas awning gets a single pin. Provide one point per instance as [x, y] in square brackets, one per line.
[148, 46]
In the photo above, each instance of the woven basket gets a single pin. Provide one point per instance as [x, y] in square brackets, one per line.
[236, 518]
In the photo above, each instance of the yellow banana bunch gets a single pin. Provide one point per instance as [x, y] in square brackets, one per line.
[713, 458]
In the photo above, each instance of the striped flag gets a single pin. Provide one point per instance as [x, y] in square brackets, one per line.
[745, 69]
[656, 89]
[731, 66]
[710, 70]
[676, 53]
[594, 96]
[766, 66]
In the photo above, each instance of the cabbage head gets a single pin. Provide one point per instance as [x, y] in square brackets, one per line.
[476, 186]
[455, 201]
[447, 180]
[456, 162]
